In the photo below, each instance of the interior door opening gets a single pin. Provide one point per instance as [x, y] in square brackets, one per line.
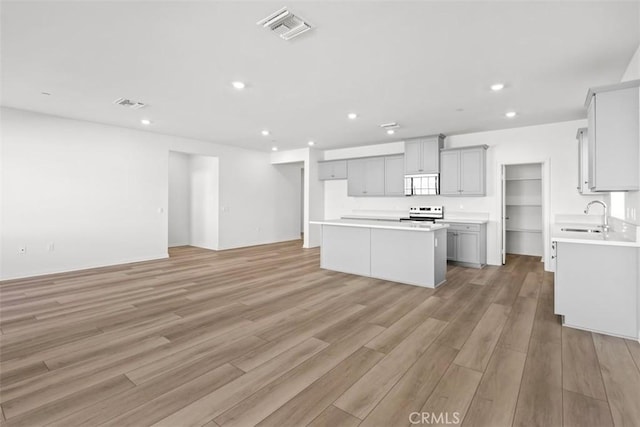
[193, 200]
[522, 210]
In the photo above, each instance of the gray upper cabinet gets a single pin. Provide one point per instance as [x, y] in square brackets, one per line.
[463, 171]
[394, 176]
[422, 155]
[332, 169]
[614, 137]
[450, 175]
[583, 161]
[472, 172]
[366, 177]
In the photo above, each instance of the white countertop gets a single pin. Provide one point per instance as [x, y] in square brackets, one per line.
[376, 217]
[611, 238]
[462, 221]
[388, 225]
[453, 218]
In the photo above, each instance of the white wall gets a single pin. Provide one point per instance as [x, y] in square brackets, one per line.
[179, 209]
[203, 174]
[100, 194]
[554, 143]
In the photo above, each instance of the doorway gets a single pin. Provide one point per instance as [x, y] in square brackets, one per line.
[523, 210]
[193, 200]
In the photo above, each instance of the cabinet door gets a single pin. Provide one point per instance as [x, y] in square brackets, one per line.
[339, 169]
[472, 175]
[583, 162]
[356, 178]
[581, 156]
[332, 170]
[616, 137]
[431, 156]
[394, 176]
[591, 145]
[451, 245]
[413, 157]
[325, 171]
[374, 177]
[468, 247]
[450, 174]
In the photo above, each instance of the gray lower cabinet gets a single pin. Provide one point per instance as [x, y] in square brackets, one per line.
[614, 137]
[463, 171]
[596, 287]
[467, 244]
[366, 177]
[332, 169]
[422, 155]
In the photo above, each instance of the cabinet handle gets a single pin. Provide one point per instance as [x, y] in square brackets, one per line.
[420, 170]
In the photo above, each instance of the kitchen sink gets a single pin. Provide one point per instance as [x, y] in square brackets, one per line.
[582, 230]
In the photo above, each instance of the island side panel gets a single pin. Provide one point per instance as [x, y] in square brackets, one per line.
[440, 256]
[403, 256]
[346, 249]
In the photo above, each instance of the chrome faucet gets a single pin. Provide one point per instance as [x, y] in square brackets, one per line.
[605, 223]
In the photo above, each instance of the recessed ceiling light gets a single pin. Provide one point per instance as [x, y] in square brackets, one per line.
[145, 122]
[311, 143]
[511, 114]
[238, 85]
[390, 131]
[497, 86]
[274, 148]
[265, 132]
[352, 116]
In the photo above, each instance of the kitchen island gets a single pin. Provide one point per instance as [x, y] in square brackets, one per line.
[414, 253]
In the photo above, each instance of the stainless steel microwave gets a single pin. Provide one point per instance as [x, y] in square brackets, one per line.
[422, 185]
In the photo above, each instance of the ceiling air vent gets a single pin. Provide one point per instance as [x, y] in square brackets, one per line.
[285, 24]
[129, 103]
[388, 126]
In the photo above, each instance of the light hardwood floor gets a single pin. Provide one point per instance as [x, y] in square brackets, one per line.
[263, 336]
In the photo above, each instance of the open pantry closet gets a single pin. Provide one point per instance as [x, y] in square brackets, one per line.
[522, 207]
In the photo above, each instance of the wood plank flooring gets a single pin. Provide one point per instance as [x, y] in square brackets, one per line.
[263, 336]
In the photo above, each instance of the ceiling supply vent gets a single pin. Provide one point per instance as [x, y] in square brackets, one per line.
[285, 24]
[387, 126]
[129, 103]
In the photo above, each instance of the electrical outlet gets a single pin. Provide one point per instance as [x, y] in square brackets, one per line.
[22, 250]
[51, 247]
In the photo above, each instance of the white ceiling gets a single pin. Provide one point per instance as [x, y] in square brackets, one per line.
[417, 63]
